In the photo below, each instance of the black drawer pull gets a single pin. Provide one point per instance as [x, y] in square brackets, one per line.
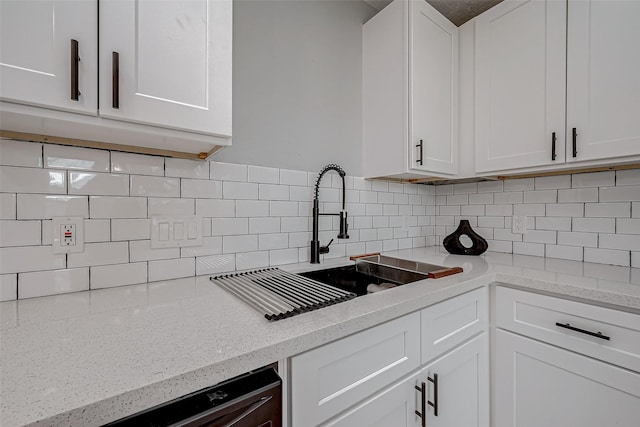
[115, 80]
[434, 404]
[583, 331]
[419, 161]
[423, 414]
[553, 146]
[574, 141]
[75, 58]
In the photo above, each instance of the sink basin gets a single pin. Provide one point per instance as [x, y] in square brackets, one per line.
[382, 271]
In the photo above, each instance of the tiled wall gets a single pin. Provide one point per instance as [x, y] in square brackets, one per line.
[592, 217]
[252, 216]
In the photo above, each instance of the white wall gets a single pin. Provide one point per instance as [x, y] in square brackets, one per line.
[297, 84]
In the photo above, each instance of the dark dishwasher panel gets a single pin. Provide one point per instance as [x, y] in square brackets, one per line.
[250, 400]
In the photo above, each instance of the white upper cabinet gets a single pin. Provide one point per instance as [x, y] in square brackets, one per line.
[603, 79]
[410, 92]
[167, 63]
[161, 83]
[557, 83]
[520, 85]
[37, 51]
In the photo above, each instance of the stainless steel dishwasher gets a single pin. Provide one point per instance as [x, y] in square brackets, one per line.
[253, 399]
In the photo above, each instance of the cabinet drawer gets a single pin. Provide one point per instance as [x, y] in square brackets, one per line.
[537, 316]
[451, 322]
[331, 378]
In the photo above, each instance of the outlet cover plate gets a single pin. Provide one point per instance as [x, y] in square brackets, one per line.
[73, 243]
[519, 224]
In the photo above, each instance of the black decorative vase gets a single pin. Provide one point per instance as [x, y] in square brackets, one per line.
[453, 245]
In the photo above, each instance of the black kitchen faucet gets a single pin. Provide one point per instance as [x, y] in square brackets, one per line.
[316, 249]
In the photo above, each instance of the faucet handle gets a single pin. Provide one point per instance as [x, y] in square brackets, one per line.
[325, 249]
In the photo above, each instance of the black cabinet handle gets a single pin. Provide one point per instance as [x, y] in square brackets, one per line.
[583, 331]
[423, 414]
[434, 404]
[419, 161]
[75, 58]
[553, 146]
[115, 80]
[574, 139]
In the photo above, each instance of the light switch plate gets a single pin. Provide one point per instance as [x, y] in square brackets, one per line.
[176, 231]
[68, 235]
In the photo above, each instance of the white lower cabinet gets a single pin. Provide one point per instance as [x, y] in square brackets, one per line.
[460, 387]
[375, 377]
[537, 384]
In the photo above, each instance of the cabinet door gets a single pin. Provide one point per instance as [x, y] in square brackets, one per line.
[520, 84]
[538, 384]
[462, 386]
[174, 63]
[394, 406]
[433, 90]
[603, 87]
[36, 55]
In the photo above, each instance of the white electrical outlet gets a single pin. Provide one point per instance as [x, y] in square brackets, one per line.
[519, 224]
[68, 235]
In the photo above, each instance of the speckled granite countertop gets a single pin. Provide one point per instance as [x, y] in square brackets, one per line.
[92, 357]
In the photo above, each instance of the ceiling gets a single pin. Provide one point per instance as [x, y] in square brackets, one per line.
[457, 11]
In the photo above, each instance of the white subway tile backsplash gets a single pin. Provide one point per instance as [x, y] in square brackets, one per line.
[20, 233]
[97, 230]
[628, 177]
[628, 193]
[557, 223]
[522, 248]
[490, 186]
[635, 210]
[627, 242]
[595, 179]
[171, 269]
[607, 256]
[541, 196]
[130, 229]
[520, 184]
[252, 208]
[396, 187]
[565, 209]
[263, 175]
[499, 210]
[282, 208]
[29, 258]
[284, 256]
[7, 206]
[210, 246]
[295, 224]
[140, 250]
[170, 206]
[576, 238]
[54, 282]
[216, 208]
[530, 209]
[32, 180]
[481, 199]
[137, 164]
[184, 168]
[540, 236]
[250, 260]
[293, 177]
[302, 194]
[234, 244]
[509, 197]
[578, 195]
[228, 172]
[215, 264]
[360, 183]
[564, 252]
[380, 186]
[595, 225]
[553, 182]
[276, 241]
[458, 199]
[20, 153]
[154, 186]
[117, 207]
[100, 254]
[273, 192]
[229, 226]
[449, 210]
[76, 158]
[264, 225]
[467, 188]
[98, 184]
[108, 276]
[239, 190]
[201, 189]
[607, 210]
[628, 226]
[635, 260]
[500, 246]
[491, 221]
[368, 197]
[388, 197]
[8, 287]
[39, 206]
[506, 234]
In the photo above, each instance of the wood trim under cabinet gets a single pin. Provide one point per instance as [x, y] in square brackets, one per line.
[22, 136]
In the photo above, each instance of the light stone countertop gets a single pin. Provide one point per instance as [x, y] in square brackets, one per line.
[92, 357]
